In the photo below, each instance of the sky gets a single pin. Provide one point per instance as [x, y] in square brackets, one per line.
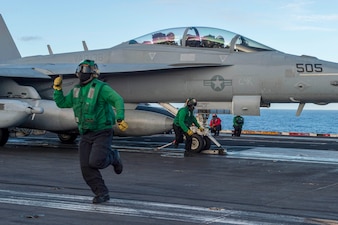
[299, 27]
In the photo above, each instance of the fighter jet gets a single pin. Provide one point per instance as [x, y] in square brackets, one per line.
[26, 101]
[221, 69]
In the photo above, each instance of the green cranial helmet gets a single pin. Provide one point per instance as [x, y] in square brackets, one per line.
[87, 66]
[191, 102]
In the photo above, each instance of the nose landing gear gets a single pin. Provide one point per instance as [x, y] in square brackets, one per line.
[201, 143]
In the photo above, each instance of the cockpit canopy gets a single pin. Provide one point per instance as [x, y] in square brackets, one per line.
[204, 37]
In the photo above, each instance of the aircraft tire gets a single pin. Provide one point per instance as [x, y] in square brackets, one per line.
[67, 138]
[197, 143]
[4, 134]
[207, 143]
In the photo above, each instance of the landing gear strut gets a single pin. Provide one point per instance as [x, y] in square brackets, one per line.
[201, 141]
[67, 138]
[4, 134]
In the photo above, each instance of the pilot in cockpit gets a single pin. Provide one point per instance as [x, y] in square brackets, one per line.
[171, 39]
[159, 38]
[208, 41]
[219, 42]
[192, 41]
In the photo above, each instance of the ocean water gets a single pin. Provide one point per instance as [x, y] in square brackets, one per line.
[285, 120]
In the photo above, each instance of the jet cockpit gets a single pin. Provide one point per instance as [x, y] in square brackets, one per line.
[202, 37]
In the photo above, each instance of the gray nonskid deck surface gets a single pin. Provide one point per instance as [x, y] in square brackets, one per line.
[41, 183]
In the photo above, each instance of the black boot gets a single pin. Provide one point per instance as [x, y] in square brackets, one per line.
[100, 198]
[117, 163]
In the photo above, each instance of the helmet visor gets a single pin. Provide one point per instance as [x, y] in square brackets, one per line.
[84, 69]
[192, 102]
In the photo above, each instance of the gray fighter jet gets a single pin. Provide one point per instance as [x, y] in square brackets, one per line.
[221, 69]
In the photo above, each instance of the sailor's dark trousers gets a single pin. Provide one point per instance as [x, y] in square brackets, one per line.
[179, 137]
[95, 153]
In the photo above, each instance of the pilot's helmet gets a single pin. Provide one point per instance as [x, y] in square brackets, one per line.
[219, 37]
[220, 41]
[171, 36]
[87, 66]
[191, 102]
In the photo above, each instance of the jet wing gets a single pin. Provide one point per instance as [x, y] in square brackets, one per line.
[41, 71]
[22, 72]
[120, 68]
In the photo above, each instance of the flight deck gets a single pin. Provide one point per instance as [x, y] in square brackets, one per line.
[261, 180]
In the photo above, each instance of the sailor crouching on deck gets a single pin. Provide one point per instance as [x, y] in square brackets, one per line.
[183, 120]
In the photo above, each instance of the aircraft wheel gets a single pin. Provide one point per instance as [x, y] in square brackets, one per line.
[197, 143]
[207, 143]
[67, 138]
[4, 134]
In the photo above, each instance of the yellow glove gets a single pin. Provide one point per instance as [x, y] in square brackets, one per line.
[201, 129]
[122, 125]
[58, 83]
[190, 132]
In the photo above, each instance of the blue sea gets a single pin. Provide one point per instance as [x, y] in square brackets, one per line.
[285, 120]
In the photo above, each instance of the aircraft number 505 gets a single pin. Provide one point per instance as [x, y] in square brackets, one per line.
[305, 67]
